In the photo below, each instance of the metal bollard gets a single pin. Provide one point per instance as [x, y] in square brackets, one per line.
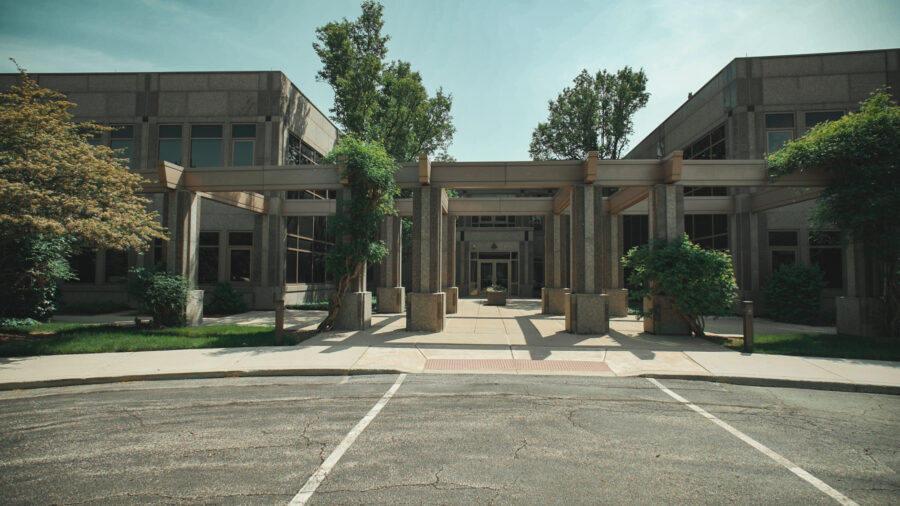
[279, 322]
[747, 306]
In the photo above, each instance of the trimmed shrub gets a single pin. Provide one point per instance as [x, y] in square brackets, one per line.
[700, 282]
[793, 293]
[162, 294]
[225, 299]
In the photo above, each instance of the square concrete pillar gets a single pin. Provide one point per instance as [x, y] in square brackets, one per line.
[390, 291]
[861, 316]
[426, 305]
[356, 312]
[586, 307]
[553, 295]
[618, 301]
[183, 220]
[666, 220]
[426, 311]
[587, 313]
[448, 277]
[553, 300]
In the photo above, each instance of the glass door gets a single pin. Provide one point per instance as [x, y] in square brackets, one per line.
[485, 275]
[492, 272]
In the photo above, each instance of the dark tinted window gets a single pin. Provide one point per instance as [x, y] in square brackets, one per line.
[782, 238]
[170, 131]
[781, 120]
[206, 131]
[122, 132]
[240, 238]
[245, 131]
[814, 118]
[209, 238]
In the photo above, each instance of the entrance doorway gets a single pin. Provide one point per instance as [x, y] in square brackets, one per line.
[492, 272]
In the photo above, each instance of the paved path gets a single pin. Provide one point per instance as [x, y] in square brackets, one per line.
[515, 339]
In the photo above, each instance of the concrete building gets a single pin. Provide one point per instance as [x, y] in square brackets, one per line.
[232, 163]
[750, 108]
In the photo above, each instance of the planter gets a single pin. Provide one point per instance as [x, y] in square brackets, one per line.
[496, 298]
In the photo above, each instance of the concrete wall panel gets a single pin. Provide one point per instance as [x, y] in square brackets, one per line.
[207, 103]
[172, 103]
[791, 66]
[235, 81]
[243, 103]
[69, 83]
[853, 63]
[121, 104]
[863, 84]
[113, 82]
[810, 89]
[183, 82]
[89, 104]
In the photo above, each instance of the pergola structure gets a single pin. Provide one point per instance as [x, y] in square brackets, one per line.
[592, 226]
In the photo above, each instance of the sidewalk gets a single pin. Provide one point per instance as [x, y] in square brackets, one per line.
[480, 339]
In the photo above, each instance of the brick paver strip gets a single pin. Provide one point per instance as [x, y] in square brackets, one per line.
[519, 364]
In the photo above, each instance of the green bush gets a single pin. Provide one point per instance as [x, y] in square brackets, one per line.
[224, 300]
[699, 282]
[31, 268]
[793, 293]
[14, 324]
[160, 293]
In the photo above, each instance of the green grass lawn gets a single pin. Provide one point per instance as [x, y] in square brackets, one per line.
[822, 345]
[59, 338]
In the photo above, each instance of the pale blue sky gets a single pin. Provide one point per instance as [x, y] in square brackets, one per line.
[501, 60]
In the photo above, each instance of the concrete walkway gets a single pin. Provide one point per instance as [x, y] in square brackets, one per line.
[515, 339]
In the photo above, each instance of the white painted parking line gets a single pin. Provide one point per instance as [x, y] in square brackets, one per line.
[321, 473]
[812, 480]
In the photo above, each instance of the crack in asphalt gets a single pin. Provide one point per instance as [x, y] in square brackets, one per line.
[437, 484]
[524, 445]
[176, 497]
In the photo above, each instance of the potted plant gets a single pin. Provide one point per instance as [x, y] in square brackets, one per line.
[496, 295]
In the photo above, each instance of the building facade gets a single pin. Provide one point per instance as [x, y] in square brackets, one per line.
[751, 108]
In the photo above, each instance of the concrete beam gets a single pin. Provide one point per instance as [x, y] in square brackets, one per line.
[424, 170]
[745, 173]
[251, 201]
[404, 207]
[672, 167]
[692, 205]
[512, 206]
[562, 199]
[625, 198]
[770, 199]
[308, 207]
[590, 167]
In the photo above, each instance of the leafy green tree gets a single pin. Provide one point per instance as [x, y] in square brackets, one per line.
[369, 171]
[58, 190]
[861, 151]
[32, 268]
[699, 282]
[161, 293]
[380, 101]
[595, 114]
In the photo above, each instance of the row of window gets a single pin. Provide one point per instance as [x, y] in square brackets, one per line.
[238, 257]
[207, 142]
[308, 240]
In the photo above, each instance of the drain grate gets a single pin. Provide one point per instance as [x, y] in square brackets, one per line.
[514, 364]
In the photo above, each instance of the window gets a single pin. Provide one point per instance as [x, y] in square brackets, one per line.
[123, 138]
[308, 240]
[493, 221]
[709, 231]
[84, 266]
[782, 248]
[240, 247]
[243, 137]
[159, 252]
[312, 194]
[208, 269]
[116, 266]
[635, 231]
[779, 130]
[170, 144]
[711, 146]
[705, 191]
[206, 146]
[300, 153]
[825, 252]
[814, 118]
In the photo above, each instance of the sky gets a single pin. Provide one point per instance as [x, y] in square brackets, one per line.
[501, 60]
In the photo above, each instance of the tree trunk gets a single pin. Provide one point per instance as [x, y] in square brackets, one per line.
[337, 299]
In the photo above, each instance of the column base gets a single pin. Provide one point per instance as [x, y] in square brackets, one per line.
[356, 312]
[553, 300]
[391, 299]
[426, 311]
[587, 313]
[618, 301]
[452, 299]
[193, 310]
[860, 316]
[666, 320]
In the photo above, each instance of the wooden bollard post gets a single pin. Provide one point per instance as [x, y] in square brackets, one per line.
[279, 322]
[748, 325]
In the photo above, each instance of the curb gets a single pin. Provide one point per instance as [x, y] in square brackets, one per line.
[733, 380]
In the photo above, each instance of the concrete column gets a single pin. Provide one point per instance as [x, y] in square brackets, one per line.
[356, 308]
[666, 222]
[610, 269]
[553, 295]
[587, 308]
[183, 253]
[427, 304]
[448, 281]
[391, 293]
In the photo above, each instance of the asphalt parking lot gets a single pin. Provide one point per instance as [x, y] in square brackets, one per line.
[452, 439]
